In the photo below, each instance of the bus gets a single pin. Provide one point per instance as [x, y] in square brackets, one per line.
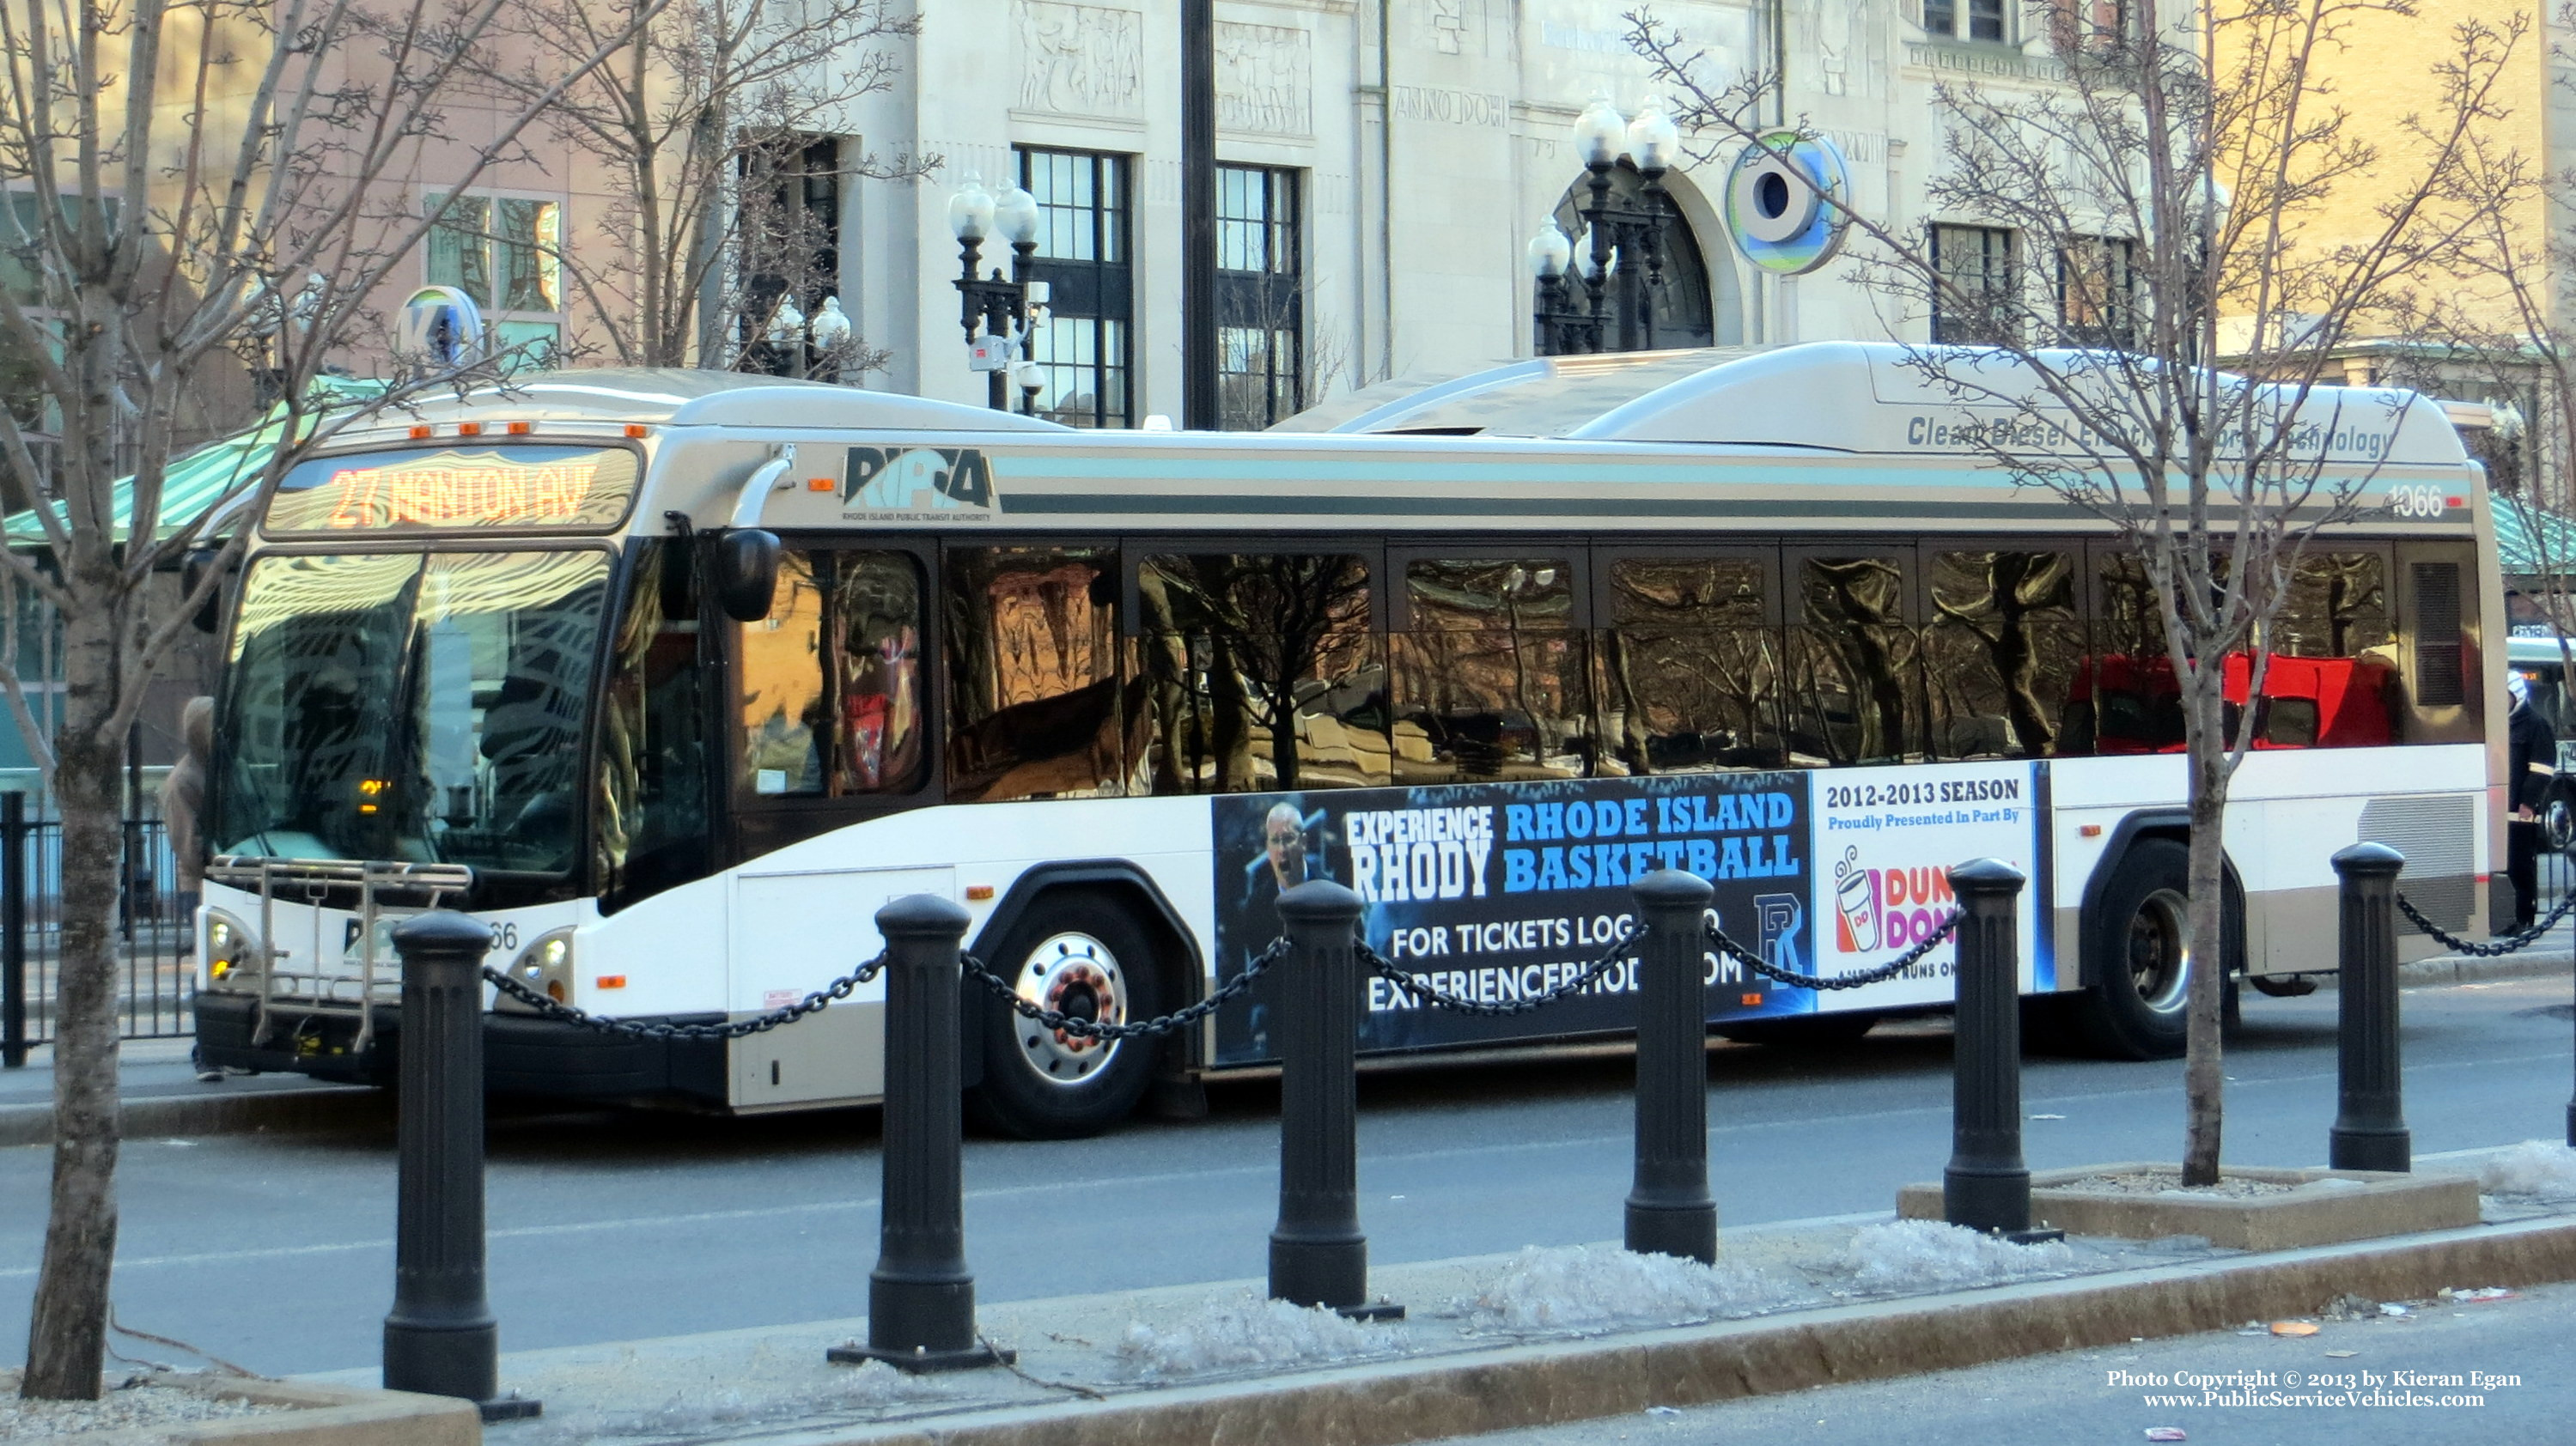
[674, 678]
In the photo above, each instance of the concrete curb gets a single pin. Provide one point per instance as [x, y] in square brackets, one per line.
[1406, 1401]
[213, 1113]
[325, 1415]
[2463, 968]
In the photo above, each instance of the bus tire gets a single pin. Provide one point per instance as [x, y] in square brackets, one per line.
[1803, 1031]
[1070, 950]
[2138, 1004]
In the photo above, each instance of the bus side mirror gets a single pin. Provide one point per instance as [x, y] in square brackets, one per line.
[746, 572]
[192, 575]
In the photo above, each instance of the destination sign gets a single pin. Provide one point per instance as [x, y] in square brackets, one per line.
[458, 487]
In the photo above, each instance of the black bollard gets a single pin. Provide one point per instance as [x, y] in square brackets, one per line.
[440, 1338]
[2370, 1115]
[1318, 1257]
[921, 1296]
[1669, 1209]
[1986, 1186]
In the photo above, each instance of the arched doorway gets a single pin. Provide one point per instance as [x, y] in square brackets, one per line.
[1678, 313]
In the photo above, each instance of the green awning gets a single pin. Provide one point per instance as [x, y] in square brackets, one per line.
[2530, 541]
[209, 475]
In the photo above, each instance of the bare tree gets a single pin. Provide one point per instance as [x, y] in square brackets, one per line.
[2165, 184]
[708, 119]
[165, 200]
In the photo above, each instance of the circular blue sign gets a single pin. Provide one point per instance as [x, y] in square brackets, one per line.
[1776, 202]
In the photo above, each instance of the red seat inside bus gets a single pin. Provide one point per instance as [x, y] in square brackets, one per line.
[2307, 702]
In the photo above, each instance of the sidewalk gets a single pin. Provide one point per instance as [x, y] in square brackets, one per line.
[163, 1096]
[1501, 1341]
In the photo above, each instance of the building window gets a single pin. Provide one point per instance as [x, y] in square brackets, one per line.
[788, 235]
[2097, 290]
[1965, 19]
[1085, 352]
[1261, 320]
[506, 252]
[1974, 303]
[2099, 26]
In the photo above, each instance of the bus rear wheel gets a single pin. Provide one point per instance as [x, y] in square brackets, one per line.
[1082, 956]
[2139, 1003]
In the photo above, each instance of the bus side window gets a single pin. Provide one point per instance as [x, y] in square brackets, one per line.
[2124, 700]
[2002, 652]
[876, 632]
[1258, 671]
[782, 684]
[1489, 673]
[652, 825]
[1855, 663]
[2332, 681]
[1690, 667]
[1032, 673]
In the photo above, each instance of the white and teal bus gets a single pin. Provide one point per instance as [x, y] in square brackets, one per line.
[675, 678]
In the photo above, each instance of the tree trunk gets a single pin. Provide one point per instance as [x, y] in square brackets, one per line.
[67, 1332]
[2204, 1081]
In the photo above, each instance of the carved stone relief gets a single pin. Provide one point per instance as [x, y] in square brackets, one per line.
[1264, 80]
[1080, 60]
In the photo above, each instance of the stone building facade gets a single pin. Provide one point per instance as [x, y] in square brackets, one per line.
[1387, 162]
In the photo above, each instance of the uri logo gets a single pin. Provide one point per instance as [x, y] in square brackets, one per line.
[917, 482]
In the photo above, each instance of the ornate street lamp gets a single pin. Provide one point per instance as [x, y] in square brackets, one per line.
[1624, 257]
[1000, 310]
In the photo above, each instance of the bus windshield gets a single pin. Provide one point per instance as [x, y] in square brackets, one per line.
[414, 707]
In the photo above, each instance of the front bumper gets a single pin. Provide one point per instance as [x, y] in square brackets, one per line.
[522, 1055]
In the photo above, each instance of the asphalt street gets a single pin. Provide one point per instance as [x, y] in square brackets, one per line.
[2405, 1379]
[277, 1252]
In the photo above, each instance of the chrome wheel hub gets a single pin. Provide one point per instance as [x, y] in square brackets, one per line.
[2160, 951]
[1074, 975]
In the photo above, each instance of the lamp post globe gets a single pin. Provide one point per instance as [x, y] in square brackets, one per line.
[1598, 133]
[1550, 251]
[970, 211]
[1653, 139]
[1015, 216]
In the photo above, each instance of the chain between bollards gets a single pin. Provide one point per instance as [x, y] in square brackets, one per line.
[1318, 1254]
[921, 1296]
[2370, 1115]
[1987, 1184]
[440, 1338]
[1669, 1208]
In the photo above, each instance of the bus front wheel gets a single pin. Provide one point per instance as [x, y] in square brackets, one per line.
[2139, 1002]
[1084, 957]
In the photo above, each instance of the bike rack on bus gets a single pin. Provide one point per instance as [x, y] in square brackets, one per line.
[313, 880]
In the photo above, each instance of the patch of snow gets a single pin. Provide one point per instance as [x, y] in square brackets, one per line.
[2534, 1167]
[1577, 1286]
[1246, 1332]
[1918, 1254]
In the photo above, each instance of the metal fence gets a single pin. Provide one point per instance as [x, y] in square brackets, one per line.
[154, 933]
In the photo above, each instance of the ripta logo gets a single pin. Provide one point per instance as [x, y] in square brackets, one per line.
[917, 479]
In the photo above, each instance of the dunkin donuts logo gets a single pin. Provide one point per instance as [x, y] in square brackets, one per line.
[1877, 909]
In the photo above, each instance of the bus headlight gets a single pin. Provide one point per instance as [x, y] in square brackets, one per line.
[232, 955]
[546, 967]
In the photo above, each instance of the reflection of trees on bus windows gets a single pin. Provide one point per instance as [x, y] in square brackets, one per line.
[1853, 688]
[831, 688]
[1033, 693]
[1690, 668]
[1490, 673]
[652, 826]
[2002, 652]
[1259, 672]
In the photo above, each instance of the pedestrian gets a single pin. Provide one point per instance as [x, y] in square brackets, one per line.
[183, 806]
[2532, 754]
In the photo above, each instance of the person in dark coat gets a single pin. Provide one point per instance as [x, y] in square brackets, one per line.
[2532, 754]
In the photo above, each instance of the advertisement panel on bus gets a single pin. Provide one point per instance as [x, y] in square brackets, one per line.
[1498, 892]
